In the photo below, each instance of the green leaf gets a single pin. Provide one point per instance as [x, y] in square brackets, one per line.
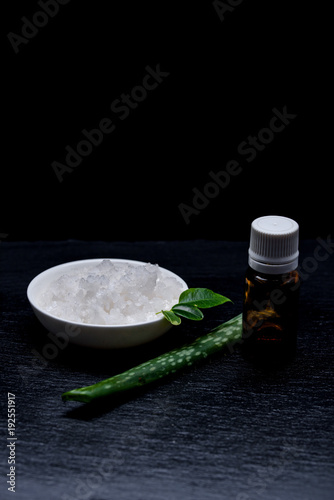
[172, 317]
[201, 297]
[189, 312]
[190, 302]
[164, 365]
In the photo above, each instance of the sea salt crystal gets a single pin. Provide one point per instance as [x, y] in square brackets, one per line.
[111, 293]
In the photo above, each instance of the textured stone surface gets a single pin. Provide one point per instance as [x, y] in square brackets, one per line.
[221, 430]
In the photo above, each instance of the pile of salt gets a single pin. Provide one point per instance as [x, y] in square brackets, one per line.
[111, 293]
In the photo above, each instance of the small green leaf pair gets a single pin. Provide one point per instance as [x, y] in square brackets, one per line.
[191, 302]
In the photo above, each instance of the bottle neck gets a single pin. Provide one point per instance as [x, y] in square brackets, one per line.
[266, 268]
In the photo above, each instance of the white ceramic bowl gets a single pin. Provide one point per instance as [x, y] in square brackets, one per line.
[92, 335]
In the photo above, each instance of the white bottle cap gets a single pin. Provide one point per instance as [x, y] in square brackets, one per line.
[273, 245]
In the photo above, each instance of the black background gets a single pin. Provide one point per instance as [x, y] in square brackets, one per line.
[225, 77]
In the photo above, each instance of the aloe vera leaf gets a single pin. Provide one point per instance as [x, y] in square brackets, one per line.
[163, 365]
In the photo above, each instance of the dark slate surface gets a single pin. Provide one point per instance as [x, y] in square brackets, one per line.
[222, 430]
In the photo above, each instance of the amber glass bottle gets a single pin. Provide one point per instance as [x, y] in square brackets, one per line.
[270, 310]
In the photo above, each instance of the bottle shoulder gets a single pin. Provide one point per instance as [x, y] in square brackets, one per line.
[258, 277]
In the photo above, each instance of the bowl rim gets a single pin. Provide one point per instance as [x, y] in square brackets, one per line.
[39, 277]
